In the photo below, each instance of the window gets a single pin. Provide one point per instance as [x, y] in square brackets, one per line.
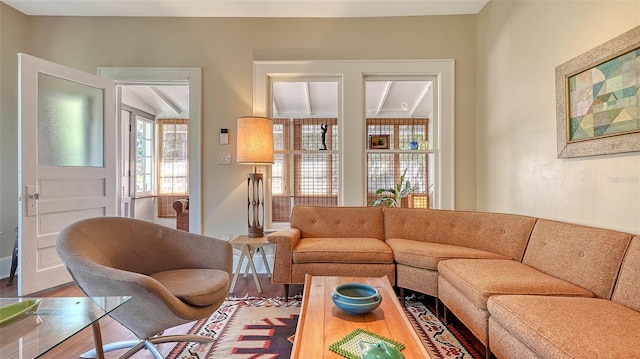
[173, 164]
[399, 110]
[406, 156]
[173, 158]
[144, 156]
[306, 163]
[431, 166]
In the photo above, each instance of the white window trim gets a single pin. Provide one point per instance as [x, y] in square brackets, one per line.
[353, 153]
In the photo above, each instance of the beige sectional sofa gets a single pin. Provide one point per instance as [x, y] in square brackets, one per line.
[525, 287]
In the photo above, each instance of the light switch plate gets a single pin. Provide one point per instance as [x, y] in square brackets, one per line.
[224, 158]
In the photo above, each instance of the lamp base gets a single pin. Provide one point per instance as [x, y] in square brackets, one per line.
[255, 205]
[255, 232]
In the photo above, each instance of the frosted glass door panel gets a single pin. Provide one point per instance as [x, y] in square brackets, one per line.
[70, 123]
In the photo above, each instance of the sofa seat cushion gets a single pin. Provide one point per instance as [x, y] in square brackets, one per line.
[198, 287]
[342, 250]
[427, 255]
[478, 279]
[569, 327]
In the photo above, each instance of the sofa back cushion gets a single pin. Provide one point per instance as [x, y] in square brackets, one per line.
[505, 234]
[338, 222]
[627, 290]
[585, 256]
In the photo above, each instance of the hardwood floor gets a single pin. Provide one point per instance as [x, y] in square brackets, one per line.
[113, 331]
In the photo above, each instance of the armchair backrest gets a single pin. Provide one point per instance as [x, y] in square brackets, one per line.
[130, 244]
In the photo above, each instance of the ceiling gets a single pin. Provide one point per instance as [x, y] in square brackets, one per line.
[247, 8]
[384, 99]
[299, 99]
[162, 101]
[311, 99]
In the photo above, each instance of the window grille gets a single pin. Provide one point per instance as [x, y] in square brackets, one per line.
[407, 154]
[173, 164]
[305, 169]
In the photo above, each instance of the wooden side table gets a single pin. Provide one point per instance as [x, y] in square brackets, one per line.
[249, 247]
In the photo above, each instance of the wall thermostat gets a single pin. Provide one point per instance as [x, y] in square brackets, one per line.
[224, 136]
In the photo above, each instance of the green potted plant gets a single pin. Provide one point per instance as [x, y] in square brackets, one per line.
[392, 197]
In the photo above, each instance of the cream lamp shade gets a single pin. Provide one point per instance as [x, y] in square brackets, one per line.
[255, 140]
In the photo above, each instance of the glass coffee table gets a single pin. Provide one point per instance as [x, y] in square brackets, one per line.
[55, 320]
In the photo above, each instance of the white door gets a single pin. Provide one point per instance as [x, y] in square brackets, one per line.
[67, 162]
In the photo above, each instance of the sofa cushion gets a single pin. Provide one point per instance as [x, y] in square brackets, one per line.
[569, 327]
[199, 287]
[505, 234]
[342, 250]
[338, 222]
[585, 256]
[627, 290]
[428, 255]
[478, 279]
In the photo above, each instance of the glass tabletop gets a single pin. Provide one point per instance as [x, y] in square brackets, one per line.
[56, 320]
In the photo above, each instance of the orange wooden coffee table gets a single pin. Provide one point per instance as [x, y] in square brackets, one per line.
[321, 323]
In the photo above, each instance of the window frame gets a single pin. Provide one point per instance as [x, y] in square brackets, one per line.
[134, 114]
[352, 117]
[160, 123]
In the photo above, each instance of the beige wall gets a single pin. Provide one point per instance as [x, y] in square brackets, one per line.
[14, 33]
[519, 45]
[226, 48]
[511, 144]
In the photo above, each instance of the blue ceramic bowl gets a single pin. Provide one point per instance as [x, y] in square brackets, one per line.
[356, 298]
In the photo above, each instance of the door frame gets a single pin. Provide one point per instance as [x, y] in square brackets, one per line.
[192, 76]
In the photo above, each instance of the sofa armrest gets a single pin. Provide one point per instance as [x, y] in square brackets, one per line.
[285, 240]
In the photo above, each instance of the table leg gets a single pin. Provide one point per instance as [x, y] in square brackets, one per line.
[253, 271]
[97, 339]
[246, 269]
[264, 260]
[245, 249]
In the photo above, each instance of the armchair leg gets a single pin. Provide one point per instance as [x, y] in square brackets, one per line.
[137, 345]
[286, 292]
[402, 299]
[111, 347]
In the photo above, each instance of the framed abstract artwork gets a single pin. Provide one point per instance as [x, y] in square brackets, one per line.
[598, 99]
[379, 142]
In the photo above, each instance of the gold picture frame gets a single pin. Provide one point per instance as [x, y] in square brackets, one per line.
[379, 142]
[597, 112]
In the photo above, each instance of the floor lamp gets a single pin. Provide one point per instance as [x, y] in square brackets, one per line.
[255, 147]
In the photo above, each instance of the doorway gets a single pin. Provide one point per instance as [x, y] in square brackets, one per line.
[126, 79]
[154, 134]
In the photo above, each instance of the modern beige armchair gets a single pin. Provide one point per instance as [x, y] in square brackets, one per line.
[173, 277]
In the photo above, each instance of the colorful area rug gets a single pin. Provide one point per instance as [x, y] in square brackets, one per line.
[441, 340]
[264, 328]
